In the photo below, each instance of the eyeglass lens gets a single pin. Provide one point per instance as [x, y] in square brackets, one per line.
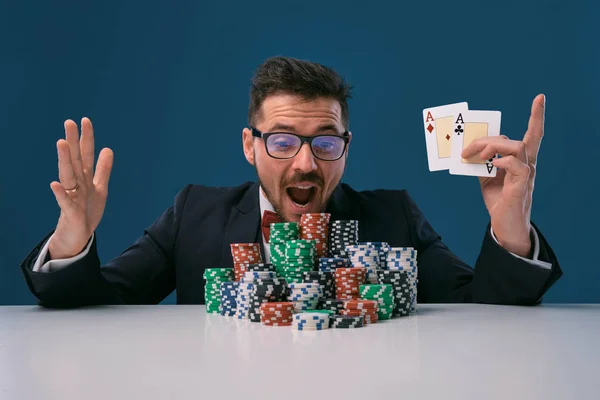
[283, 145]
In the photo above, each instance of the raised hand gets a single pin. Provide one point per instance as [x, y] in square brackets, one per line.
[508, 196]
[81, 193]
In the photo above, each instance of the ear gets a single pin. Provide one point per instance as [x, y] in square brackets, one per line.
[348, 145]
[248, 145]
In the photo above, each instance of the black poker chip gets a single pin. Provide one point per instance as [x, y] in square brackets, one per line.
[265, 267]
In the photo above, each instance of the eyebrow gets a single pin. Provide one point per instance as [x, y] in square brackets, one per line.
[291, 128]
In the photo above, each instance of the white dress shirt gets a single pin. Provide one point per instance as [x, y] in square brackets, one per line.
[265, 205]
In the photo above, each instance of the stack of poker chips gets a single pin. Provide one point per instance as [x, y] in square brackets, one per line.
[331, 264]
[229, 298]
[365, 256]
[383, 294]
[342, 233]
[212, 289]
[305, 296]
[244, 254]
[333, 305]
[348, 281]
[265, 288]
[315, 227]
[368, 309]
[280, 233]
[310, 321]
[399, 281]
[299, 258]
[381, 248]
[347, 322]
[324, 279]
[276, 313]
[246, 289]
[405, 259]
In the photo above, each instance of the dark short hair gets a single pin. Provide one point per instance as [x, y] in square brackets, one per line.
[286, 75]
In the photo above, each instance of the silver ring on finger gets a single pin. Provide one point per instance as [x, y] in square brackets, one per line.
[74, 189]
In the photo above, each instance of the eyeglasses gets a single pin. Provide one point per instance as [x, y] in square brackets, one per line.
[284, 145]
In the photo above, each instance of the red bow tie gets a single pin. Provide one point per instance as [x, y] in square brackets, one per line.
[268, 218]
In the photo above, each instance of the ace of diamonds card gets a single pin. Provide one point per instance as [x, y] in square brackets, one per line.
[439, 127]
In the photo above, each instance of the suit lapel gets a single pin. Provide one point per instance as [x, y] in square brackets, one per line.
[243, 224]
[340, 207]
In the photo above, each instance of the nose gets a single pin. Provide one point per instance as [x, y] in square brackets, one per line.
[305, 160]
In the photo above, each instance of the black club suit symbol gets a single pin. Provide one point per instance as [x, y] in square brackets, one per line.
[458, 130]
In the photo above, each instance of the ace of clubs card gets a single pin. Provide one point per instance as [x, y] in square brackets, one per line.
[468, 126]
[439, 127]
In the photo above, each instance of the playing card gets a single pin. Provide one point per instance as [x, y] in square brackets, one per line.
[468, 126]
[439, 125]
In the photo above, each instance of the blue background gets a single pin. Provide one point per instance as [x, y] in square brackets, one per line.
[166, 86]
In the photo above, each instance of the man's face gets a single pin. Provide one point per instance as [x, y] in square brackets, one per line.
[304, 183]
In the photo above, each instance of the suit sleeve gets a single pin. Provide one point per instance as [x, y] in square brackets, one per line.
[497, 278]
[143, 274]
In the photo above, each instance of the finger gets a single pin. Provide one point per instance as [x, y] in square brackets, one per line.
[66, 175]
[502, 147]
[87, 149]
[103, 169]
[479, 144]
[517, 169]
[535, 128]
[72, 135]
[62, 198]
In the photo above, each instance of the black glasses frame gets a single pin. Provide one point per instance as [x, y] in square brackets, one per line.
[303, 139]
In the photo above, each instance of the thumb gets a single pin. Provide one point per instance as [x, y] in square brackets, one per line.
[62, 198]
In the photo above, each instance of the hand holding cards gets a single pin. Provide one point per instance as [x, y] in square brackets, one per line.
[450, 129]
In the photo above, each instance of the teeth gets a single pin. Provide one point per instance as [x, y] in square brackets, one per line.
[300, 205]
[303, 187]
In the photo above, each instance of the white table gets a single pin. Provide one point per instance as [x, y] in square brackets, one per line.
[180, 352]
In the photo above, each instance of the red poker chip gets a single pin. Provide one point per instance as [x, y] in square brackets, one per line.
[354, 293]
[285, 323]
[349, 281]
[277, 313]
[273, 310]
[279, 319]
[357, 313]
[354, 288]
[347, 295]
[360, 304]
[347, 286]
[341, 272]
[288, 318]
[278, 304]
[276, 317]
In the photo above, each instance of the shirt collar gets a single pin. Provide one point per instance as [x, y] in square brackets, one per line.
[265, 205]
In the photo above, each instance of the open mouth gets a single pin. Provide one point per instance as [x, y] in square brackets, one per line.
[301, 195]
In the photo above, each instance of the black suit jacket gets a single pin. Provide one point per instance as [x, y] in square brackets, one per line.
[195, 233]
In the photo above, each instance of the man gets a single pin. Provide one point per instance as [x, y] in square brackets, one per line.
[298, 141]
